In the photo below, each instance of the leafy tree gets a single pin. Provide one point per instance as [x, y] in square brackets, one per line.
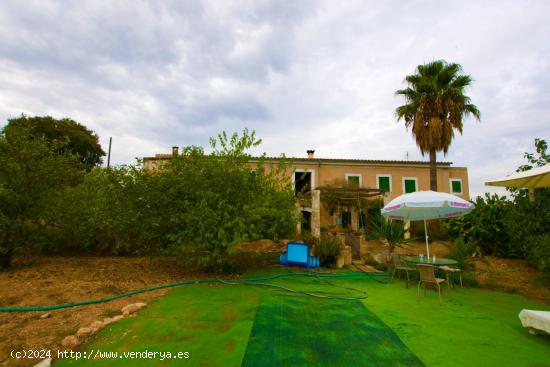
[219, 200]
[515, 227]
[79, 139]
[484, 229]
[104, 214]
[529, 222]
[538, 159]
[195, 207]
[435, 106]
[30, 171]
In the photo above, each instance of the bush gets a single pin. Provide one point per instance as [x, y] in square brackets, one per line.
[539, 251]
[369, 260]
[308, 238]
[485, 226]
[511, 228]
[543, 280]
[461, 252]
[469, 280]
[328, 249]
[196, 208]
[381, 267]
[392, 231]
[31, 171]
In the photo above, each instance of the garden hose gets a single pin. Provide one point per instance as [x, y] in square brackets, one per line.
[246, 281]
[254, 282]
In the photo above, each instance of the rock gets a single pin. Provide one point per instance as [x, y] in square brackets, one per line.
[45, 316]
[117, 318]
[96, 326]
[84, 332]
[133, 307]
[44, 363]
[70, 341]
[112, 320]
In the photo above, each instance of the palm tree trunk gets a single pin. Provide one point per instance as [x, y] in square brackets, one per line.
[433, 171]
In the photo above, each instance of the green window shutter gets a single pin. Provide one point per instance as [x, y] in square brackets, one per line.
[457, 186]
[353, 181]
[384, 183]
[410, 186]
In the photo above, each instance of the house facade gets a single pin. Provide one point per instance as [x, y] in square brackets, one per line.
[353, 182]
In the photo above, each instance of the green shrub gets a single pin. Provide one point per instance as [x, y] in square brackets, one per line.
[328, 249]
[491, 284]
[469, 280]
[369, 260]
[543, 280]
[485, 226]
[196, 207]
[462, 252]
[308, 238]
[539, 251]
[381, 267]
[31, 170]
[392, 231]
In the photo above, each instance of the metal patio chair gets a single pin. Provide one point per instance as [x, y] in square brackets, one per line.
[427, 276]
[450, 270]
[399, 267]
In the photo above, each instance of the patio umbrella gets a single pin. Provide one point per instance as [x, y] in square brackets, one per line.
[531, 179]
[426, 205]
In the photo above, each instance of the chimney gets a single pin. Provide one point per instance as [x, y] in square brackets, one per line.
[175, 151]
[310, 154]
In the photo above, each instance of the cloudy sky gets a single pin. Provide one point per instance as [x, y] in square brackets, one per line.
[304, 74]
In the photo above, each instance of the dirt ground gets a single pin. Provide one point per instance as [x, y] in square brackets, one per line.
[511, 275]
[56, 280]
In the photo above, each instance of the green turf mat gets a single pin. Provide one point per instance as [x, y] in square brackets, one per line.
[211, 323]
[474, 328]
[305, 331]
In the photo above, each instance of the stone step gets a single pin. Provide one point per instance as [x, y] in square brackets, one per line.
[366, 268]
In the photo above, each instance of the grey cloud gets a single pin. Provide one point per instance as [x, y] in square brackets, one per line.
[303, 74]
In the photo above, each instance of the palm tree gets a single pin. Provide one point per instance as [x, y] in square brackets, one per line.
[435, 106]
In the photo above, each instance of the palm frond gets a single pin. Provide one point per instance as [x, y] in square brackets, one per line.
[436, 104]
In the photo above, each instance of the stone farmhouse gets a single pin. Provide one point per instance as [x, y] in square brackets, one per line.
[351, 185]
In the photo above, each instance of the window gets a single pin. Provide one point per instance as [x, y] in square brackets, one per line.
[383, 182]
[303, 181]
[353, 180]
[409, 184]
[456, 185]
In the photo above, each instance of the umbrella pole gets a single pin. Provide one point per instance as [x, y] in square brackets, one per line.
[426, 235]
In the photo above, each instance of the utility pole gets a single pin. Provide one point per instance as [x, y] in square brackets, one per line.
[109, 154]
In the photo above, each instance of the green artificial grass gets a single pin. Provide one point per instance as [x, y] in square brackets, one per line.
[230, 325]
[292, 330]
[211, 323]
[474, 327]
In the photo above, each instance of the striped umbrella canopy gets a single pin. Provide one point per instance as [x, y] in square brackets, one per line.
[426, 205]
